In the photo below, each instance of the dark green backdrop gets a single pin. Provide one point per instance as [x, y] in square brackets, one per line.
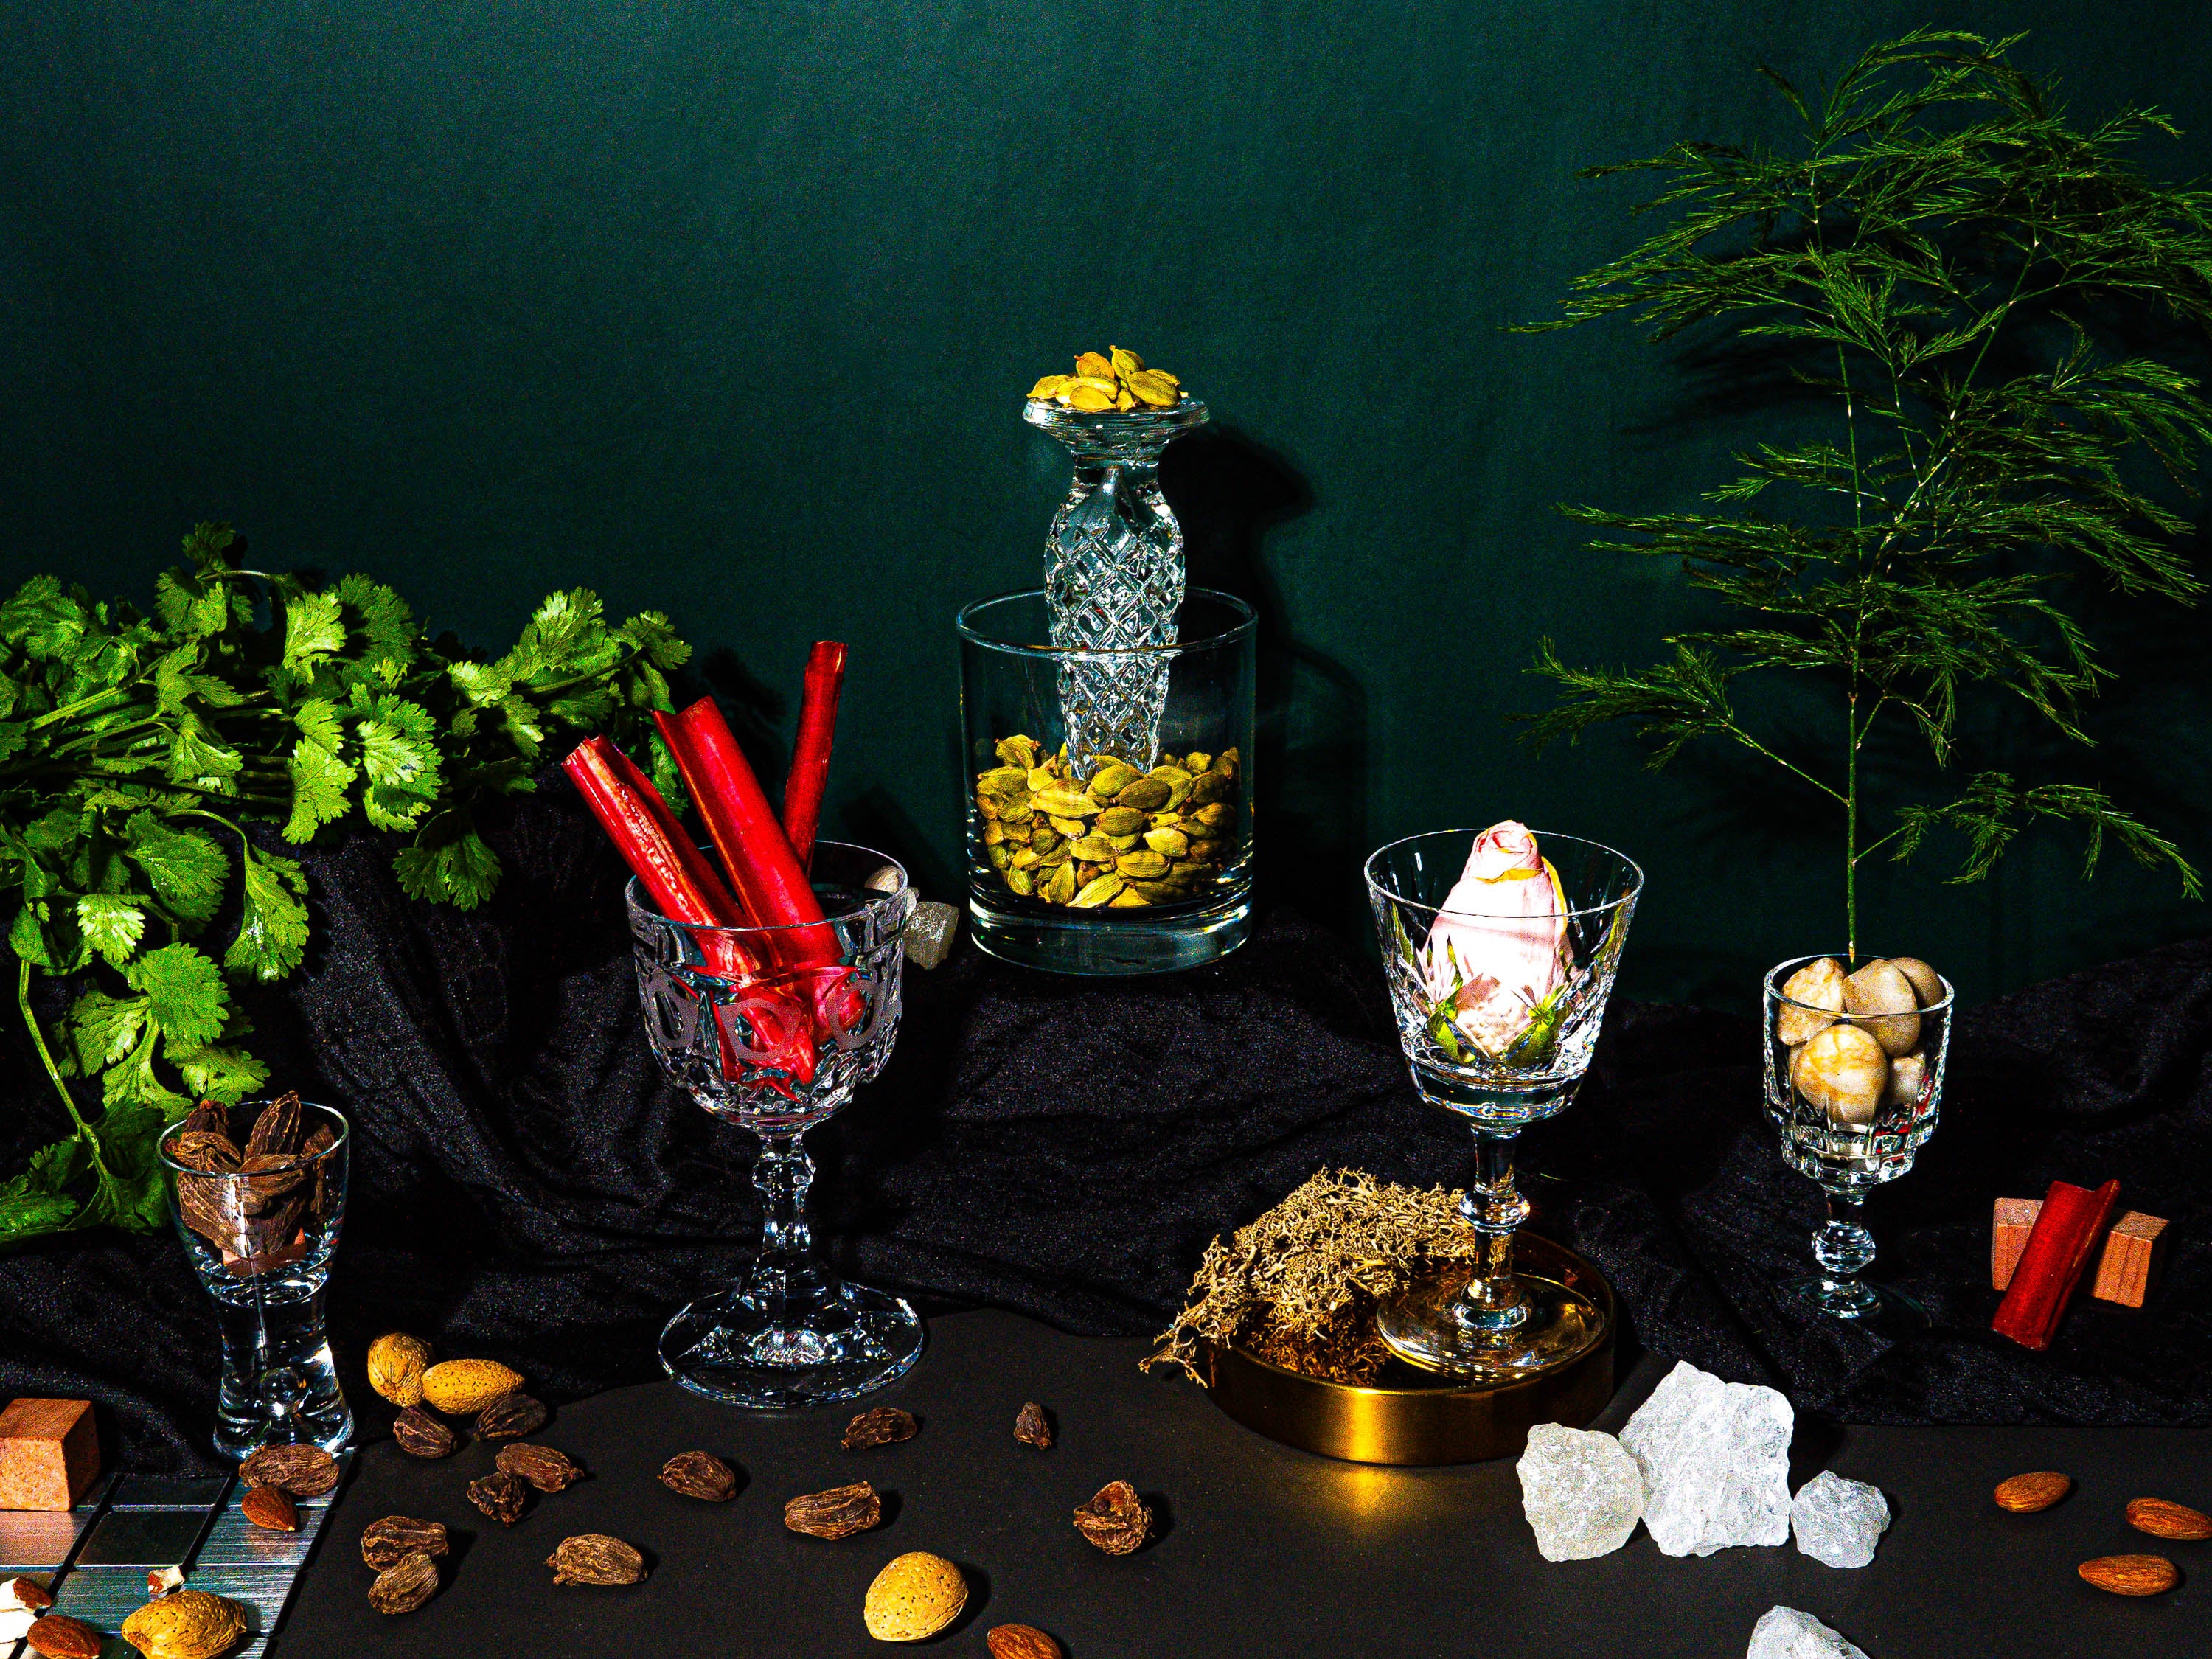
[726, 307]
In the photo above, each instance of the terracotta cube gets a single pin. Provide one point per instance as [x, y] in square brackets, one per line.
[2128, 1263]
[49, 1453]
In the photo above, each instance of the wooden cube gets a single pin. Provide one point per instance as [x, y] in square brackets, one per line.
[2134, 1248]
[49, 1453]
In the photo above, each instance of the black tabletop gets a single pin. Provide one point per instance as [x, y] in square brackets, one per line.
[1259, 1549]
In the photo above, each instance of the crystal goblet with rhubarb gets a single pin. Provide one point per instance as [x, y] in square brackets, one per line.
[1500, 947]
[770, 980]
[1853, 1087]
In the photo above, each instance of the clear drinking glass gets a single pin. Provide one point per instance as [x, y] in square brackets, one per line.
[1131, 858]
[261, 1243]
[772, 1028]
[1500, 1065]
[1857, 1123]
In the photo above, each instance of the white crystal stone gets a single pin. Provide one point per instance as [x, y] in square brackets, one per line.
[15, 1623]
[1582, 1492]
[1837, 1520]
[929, 933]
[1786, 1633]
[1715, 1462]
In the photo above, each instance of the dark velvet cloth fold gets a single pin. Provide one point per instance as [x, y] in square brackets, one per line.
[526, 1187]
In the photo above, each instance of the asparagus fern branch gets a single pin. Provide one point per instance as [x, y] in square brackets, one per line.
[1933, 257]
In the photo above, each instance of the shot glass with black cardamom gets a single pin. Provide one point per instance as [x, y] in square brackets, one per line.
[772, 1028]
[258, 1194]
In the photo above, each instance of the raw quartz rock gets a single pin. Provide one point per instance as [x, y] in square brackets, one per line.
[1715, 1462]
[1839, 1521]
[1582, 1494]
[1786, 1633]
[929, 933]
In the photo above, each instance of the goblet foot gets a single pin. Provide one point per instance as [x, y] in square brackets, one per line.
[730, 1348]
[1839, 1298]
[1436, 1326]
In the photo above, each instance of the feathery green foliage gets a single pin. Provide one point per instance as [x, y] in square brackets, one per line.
[1938, 256]
[134, 748]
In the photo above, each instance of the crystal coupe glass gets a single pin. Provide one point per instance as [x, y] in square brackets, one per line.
[772, 1028]
[1852, 1144]
[1501, 1063]
[261, 1245]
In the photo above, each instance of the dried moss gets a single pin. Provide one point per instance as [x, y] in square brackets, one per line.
[1298, 1286]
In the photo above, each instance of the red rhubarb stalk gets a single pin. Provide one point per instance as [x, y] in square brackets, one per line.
[676, 876]
[771, 888]
[683, 887]
[810, 761]
[2071, 1221]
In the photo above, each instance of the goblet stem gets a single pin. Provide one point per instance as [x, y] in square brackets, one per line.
[786, 1284]
[1494, 1206]
[1843, 1248]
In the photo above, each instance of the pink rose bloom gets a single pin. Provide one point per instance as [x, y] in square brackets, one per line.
[1500, 946]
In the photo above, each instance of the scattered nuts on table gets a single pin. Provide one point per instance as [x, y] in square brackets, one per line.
[500, 1496]
[541, 1465]
[509, 1416]
[58, 1636]
[190, 1625]
[421, 1435]
[2131, 1575]
[700, 1475]
[837, 1513]
[912, 1598]
[300, 1471]
[1021, 1642]
[385, 1543]
[272, 1509]
[884, 1426]
[396, 1364]
[592, 1558]
[2025, 1494]
[2163, 1520]
[462, 1387]
[404, 1585]
[1114, 1519]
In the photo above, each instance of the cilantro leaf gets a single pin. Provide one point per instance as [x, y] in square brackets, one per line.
[185, 993]
[186, 870]
[112, 924]
[320, 781]
[226, 1075]
[450, 864]
[272, 933]
[47, 622]
[104, 1029]
[313, 631]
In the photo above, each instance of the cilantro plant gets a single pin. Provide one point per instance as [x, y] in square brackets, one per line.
[134, 749]
[1935, 253]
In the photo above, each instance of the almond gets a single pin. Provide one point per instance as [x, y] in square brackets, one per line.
[271, 1510]
[1021, 1642]
[58, 1636]
[25, 1595]
[2163, 1520]
[396, 1364]
[915, 1596]
[2025, 1494]
[2131, 1575]
[462, 1387]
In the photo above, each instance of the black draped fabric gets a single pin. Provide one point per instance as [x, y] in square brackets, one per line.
[526, 1187]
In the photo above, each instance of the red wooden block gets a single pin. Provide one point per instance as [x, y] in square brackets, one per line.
[49, 1453]
[2133, 1250]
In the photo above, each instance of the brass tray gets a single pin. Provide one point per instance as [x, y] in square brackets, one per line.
[1417, 1422]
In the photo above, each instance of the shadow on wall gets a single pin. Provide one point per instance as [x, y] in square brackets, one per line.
[1309, 777]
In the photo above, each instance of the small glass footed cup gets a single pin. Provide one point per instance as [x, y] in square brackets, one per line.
[772, 1028]
[258, 1194]
[1501, 1058]
[1853, 1097]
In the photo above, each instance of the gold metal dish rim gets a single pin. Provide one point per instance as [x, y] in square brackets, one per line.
[1596, 1289]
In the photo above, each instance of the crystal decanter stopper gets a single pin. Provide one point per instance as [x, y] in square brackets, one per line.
[1114, 576]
